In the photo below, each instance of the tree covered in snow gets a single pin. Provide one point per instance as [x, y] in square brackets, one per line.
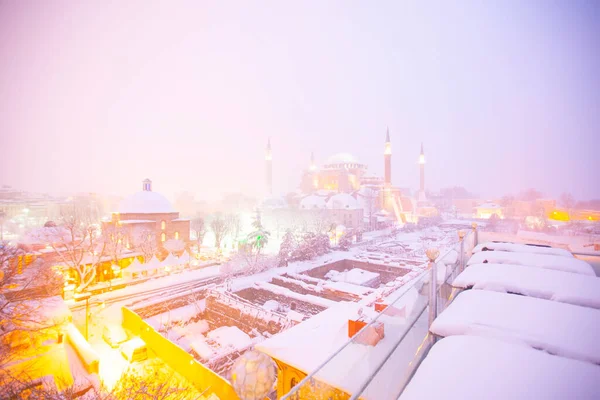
[259, 237]
[78, 242]
[345, 241]
[115, 239]
[287, 248]
[198, 227]
[369, 200]
[312, 245]
[234, 226]
[146, 243]
[219, 228]
[25, 312]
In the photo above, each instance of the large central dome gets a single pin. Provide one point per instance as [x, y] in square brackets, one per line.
[146, 202]
[342, 158]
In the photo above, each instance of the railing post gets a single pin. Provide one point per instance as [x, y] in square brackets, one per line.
[432, 255]
[461, 257]
[475, 234]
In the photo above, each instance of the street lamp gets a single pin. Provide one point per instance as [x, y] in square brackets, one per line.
[86, 297]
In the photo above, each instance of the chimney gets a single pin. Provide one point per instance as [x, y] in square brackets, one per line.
[370, 336]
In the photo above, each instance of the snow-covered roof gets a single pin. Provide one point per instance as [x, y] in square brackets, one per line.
[298, 348]
[559, 286]
[170, 260]
[533, 260]
[489, 206]
[558, 328]
[274, 202]
[146, 202]
[341, 158]
[312, 202]
[230, 336]
[355, 276]
[342, 201]
[521, 248]
[473, 368]
[135, 221]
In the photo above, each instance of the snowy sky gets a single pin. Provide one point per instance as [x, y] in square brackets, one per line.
[96, 96]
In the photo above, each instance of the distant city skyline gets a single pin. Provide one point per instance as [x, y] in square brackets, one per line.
[96, 97]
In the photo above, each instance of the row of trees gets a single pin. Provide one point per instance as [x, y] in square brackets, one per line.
[220, 225]
[81, 245]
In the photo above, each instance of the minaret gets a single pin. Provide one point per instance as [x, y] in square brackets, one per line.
[312, 167]
[387, 155]
[422, 170]
[269, 167]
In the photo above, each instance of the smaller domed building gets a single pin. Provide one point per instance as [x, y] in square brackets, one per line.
[145, 214]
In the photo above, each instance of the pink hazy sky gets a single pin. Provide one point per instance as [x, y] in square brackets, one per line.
[96, 96]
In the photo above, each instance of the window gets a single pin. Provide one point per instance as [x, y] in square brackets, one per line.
[293, 382]
[163, 225]
[176, 235]
[163, 237]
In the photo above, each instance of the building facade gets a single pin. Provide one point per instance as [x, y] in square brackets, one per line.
[148, 215]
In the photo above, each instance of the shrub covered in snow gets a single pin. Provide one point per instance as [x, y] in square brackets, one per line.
[345, 241]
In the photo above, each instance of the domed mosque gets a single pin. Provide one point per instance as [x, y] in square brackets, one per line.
[148, 214]
[343, 189]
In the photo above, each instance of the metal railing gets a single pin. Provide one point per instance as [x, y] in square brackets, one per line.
[430, 291]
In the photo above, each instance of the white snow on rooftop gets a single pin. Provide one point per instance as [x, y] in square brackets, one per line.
[521, 248]
[146, 202]
[135, 221]
[474, 368]
[553, 285]
[348, 288]
[355, 276]
[533, 260]
[353, 365]
[557, 328]
[343, 201]
[230, 336]
[313, 202]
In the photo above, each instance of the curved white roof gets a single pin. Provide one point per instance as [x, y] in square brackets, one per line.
[341, 158]
[342, 201]
[312, 202]
[274, 202]
[146, 202]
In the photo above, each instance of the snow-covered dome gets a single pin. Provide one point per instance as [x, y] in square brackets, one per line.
[312, 202]
[146, 202]
[274, 202]
[342, 201]
[341, 158]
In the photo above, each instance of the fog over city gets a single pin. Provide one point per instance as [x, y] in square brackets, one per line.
[299, 200]
[95, 96]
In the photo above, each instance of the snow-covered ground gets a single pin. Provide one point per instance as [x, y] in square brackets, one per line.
[560, 263]
[553, 285]
[558, 328]
[474, 368]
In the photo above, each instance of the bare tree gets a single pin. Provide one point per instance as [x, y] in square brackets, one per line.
[115, 238]
[25, 312]
[530, 195]
[77, 241]
[146, 243]
[370, 197]
[198, 226]
[219, 227]
[321, 222]
[567, 201]
[234, 226]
